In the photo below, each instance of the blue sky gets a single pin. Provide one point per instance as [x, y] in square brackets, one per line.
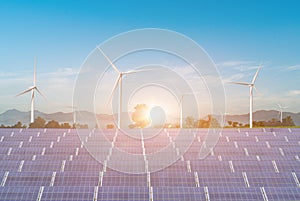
[238, 35]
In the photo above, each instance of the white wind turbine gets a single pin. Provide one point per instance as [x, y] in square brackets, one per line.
[118, 83]
[280, 112]
[251, 86]
[32, 89]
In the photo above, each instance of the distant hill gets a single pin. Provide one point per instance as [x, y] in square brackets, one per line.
[11, 117]
[263, 115]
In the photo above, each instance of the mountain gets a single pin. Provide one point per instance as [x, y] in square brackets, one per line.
[11, 117]
[264, 115]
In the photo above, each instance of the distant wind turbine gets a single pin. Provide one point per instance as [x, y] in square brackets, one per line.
[118, 83]
[280, 112]
[32, 89]
[251, 86]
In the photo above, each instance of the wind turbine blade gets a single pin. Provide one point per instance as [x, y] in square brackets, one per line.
[34, 73]
[108, 59]
[115, 87]
[240, 83]
[279, 105]
[256, 74]
[41, 93]
[257, 90]
[24, 92]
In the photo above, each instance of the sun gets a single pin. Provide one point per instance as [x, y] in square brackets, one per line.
[140, 116]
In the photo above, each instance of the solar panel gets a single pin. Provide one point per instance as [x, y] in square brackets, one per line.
[53, 164]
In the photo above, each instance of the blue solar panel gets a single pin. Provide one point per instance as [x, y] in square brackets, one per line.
[51, 162]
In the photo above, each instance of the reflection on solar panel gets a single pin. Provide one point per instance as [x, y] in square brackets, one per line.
[53, 164]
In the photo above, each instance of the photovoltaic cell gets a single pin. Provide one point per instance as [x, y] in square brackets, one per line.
[81, 174]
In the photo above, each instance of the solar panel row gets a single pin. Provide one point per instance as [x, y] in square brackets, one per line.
[38, 164]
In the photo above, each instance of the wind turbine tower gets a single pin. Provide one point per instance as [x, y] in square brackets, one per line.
[280, 108]
[32, 90]
[118, 83]
[251, 86]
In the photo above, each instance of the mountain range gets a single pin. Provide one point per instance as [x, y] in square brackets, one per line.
[264, 115]
[12, 116]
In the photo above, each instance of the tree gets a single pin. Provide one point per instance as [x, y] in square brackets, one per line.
[288, 121]
[201, 123]
[213, 122]
[229, 123]
[38, 123]
[110, 126]
[18, 125]
[140, 116]
[65, 125]
[234, 124]
[52, 124]
[189, 122]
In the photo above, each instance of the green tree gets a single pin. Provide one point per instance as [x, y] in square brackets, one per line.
[201, 123]
[189, 122]
[18, 125]
[52, 124]
[38, 123]
[288, 121]
[65, 125]
[2, 126]
[234, 124]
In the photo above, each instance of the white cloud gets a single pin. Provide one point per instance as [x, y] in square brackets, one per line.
[63, 72]
[293, 68]
[233, 63]
[233, 78]
[293, 93]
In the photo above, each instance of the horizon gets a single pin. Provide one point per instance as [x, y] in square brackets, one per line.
[261, 120]
[36, 110]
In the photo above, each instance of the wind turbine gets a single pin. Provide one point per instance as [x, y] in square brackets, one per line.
[280, 112]
[118, 83]
[251, 86]
[32, 89]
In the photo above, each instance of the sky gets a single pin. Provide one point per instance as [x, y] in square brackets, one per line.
[237, 35]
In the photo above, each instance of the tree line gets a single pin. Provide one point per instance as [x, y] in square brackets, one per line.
[209, 122]
[288, 121]
[41, 123]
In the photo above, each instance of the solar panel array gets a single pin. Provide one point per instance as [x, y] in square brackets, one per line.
[53, 164]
